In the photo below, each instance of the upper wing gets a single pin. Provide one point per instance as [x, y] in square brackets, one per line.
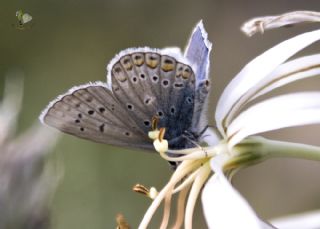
[90, 111]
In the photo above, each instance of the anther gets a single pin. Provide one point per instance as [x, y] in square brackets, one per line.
[151, 193]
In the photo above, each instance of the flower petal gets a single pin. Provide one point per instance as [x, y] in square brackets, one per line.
[275, 113]
[223, 206]
[306, 220]
[257, 69]
[261, 24]
[300, 68]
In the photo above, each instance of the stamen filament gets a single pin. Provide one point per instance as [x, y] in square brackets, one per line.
[184, 169]
[166, 210]
[200, 154]
[181, 208]
[186, 182]
[198, 183]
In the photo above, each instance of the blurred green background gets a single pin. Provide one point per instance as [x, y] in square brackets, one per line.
[71, 42]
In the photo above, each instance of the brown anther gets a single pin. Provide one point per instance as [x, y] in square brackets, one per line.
[121, 222]
[154, 122]
[151, 193]
[139, 188]
[161, 133]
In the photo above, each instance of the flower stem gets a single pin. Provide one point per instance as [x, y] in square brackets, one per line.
[290, 149]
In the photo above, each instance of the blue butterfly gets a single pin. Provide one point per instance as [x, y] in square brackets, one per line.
[143, 85]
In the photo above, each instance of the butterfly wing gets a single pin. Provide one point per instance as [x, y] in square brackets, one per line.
[145, 83]
[150, 83]
[91, 112]
[198, 53]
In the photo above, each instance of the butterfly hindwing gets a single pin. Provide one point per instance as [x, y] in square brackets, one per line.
[166, 89]
[91, 112]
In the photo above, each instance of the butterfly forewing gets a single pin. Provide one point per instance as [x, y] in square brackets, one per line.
[91, 112]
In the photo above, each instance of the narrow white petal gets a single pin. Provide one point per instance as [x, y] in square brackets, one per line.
[297, 69]
[275, 113]
[307, 220]
[257, 69]
[261, 24]
[223, 206]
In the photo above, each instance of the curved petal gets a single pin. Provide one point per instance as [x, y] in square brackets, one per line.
[223, 206]
[257, 69]
[297, 69]
[306, 220]
[275, 113]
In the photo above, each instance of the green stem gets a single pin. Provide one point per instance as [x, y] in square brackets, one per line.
[289, 149]
[254, 150]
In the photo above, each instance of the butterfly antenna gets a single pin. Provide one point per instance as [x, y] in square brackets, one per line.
[188, 137]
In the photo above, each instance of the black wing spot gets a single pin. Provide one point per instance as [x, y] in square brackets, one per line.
[117, 70]
[155, 78]
[101, 128]
[102, 109]
[178, 85]
[90, 112]
[77, 121]
[147, 101]
[142, 76]
[127, 133]
[89, 99]
[173, 110]
[165, 83]
[130, 106]
[189, 100]
[81, 128]
[134, 79]
[137, 57]
[147, 123]
[160, 113]
[168, 61]
[80, 115]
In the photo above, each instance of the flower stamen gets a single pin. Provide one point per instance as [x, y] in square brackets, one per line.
[151, 193]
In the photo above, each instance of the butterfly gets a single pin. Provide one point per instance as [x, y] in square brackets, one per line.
[23, 19]
[143, 84]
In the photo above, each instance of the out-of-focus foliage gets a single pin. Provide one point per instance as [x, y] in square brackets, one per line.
[26, 181]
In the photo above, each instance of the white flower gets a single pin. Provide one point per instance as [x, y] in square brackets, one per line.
[238, 147]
